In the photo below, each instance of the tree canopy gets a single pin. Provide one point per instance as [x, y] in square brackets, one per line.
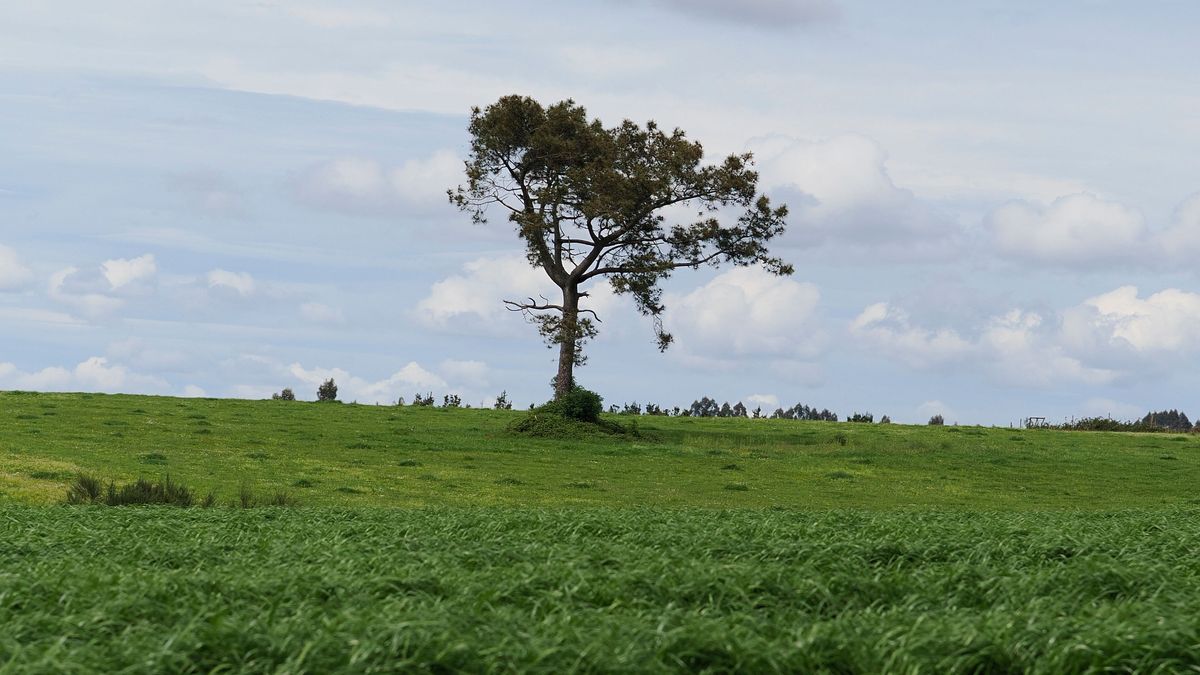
[629, 203]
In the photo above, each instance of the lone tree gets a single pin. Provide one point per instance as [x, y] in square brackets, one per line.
[629, 203]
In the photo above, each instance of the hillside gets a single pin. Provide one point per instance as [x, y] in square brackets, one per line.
[350, 455]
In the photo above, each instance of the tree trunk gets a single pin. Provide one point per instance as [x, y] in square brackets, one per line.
[568, 340]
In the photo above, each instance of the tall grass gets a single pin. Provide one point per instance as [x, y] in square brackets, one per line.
[590, 590]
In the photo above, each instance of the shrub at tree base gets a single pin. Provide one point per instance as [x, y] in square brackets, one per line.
[578, 404]
[575, 414]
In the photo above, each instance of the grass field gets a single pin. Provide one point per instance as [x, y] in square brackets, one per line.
[346, 455]
[154, 590]
[434, 540]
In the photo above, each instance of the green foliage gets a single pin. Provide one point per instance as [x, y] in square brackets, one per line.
[285, 395]
[327, 391]
[87, 490]
[937, 421]
[598, 590]
[578, 404]
[591, 201]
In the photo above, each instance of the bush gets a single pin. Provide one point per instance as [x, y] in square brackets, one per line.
[502, 402]
[578, 404]
[87, 490]
[289, 395]
[936, 421]
[885, 420]
[327, 391]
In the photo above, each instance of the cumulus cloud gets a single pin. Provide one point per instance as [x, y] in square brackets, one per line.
[100, 290]
[352, 388]
[1121, 322]
[122, 272]
[762, 13]
[1079, 229]
[768, 402]
[839, 190]
[239, 282]
[367, 186]
[93, 374]
[747, 312]
[889, 330]
[472, 301]
[1017, 347]
[13, 274]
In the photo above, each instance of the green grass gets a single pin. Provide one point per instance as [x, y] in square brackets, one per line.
[419, 456]
[153, 590]
[699, 545]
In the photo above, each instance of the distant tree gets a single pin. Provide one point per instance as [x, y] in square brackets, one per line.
[936, 421]
[592, 202]
[502, 402]
[705, 407]
[885, 420]
[451, 401]
[739, 410]
[285, 395]
[725, 411]
[757, 414]
[634, 408]
[327, 391]
[866, 418]
[1172, 420]
[400, 401]
[423, 401]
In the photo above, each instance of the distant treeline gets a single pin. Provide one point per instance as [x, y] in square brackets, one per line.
[1161, 421]
[708, 407]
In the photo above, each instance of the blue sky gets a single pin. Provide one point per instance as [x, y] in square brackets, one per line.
[994, 204]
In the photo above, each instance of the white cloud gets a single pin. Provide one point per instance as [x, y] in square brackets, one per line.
[473, 301]
[363, 185]
[122, 272]
[1162, 323]
[351, 388]
[240, 282]
[1018, 350]
[768, 402]
[93, 374]
[930, 408]
[472, 373]
[13, 274]
[1079, 229]
[747, 312]
[193, 391]
[317, 312]
[888, 330]
[1014, 348]
[82, 291]
[839, 190]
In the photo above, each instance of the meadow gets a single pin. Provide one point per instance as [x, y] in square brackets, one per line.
[436, 540]
[359, 456]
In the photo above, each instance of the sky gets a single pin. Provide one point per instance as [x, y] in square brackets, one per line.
[994, 206]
